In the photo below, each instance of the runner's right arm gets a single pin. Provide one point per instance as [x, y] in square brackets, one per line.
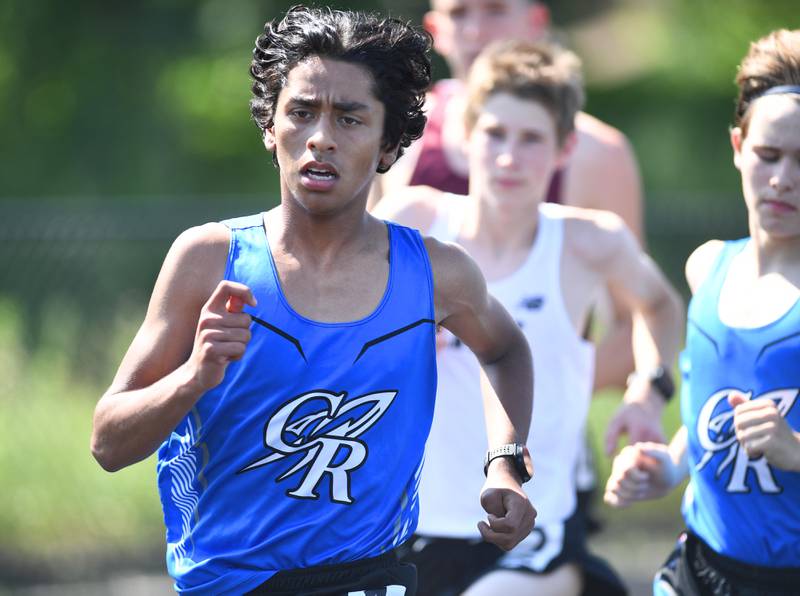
[181, 350]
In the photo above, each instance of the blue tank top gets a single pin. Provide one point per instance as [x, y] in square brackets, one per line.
[310, 450]
[742, 508]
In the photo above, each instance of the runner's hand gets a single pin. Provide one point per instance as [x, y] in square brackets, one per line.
[640, 472]
[638, 416]
[762, 431]
[223, 332]
[510, 514]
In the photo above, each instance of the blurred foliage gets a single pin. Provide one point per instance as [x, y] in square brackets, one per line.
[149, 98]
[93, 260]
[677, 110]
[57, 499]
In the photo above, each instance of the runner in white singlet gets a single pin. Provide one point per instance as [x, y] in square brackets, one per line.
[546, 263]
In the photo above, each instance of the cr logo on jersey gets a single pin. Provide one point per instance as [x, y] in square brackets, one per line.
[716, 434]
[324, 426]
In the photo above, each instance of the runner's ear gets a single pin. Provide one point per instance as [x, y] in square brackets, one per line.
[736, 143]
[538, 18]
[566, 149]
[269, 139]
[430, 22]
[387, 158]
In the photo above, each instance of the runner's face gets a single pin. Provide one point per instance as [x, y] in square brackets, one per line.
[513, 152]
[327, 134]
[462, 28]
[769, 161]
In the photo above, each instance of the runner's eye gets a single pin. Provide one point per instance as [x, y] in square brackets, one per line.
[496, 9]
[532, 137]
[495, 133]
[767, 154]
[457, 13]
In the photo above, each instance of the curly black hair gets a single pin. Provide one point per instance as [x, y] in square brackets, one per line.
[393, 52]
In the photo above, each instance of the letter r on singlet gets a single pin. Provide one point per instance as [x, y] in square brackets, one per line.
[323, 463]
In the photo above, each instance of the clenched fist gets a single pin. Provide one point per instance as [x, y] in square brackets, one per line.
[762, 431]
[223, 332]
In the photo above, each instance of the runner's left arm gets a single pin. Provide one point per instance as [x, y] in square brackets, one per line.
[658, 321]
[465, 308]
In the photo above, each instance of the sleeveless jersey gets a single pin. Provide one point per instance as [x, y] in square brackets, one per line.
[309, 451]
[432, 167]
[742, 508]
[563, 373]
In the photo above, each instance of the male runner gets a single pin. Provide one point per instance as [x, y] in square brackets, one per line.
[739, 443]
[545, 263]
[601, 172]
[285, 370]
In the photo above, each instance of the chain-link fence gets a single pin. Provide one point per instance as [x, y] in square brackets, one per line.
[93, 261]
[93, 257]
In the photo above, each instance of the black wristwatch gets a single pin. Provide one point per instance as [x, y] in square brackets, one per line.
[659, 378]
[519, 456]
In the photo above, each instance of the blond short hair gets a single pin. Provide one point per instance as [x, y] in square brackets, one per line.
[541, 72]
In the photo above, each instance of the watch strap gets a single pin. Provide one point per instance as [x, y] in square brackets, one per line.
[507, 450]
[520, 459]
[659, 379]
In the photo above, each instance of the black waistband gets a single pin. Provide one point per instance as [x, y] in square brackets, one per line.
[325, 575]
[741, 571]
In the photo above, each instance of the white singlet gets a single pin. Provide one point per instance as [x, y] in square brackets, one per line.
[452, 476]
